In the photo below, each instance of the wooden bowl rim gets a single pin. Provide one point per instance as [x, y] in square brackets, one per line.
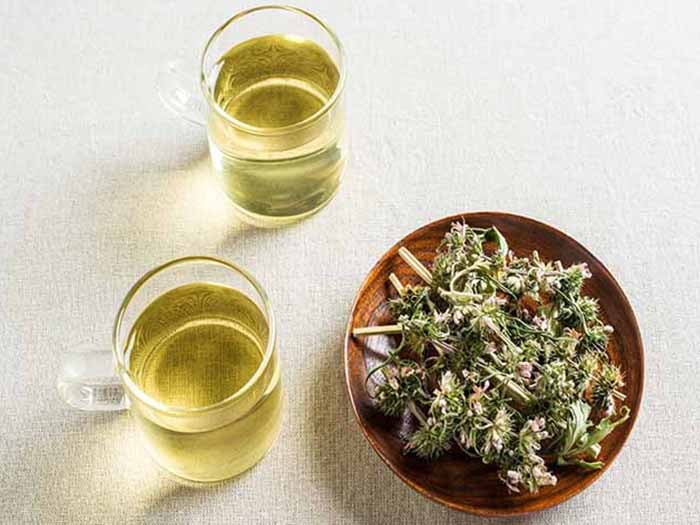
[473, 509]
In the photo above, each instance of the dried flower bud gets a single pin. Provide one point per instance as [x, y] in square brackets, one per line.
[513, 479]
[537, 424]
[585, 271]
[514, 283]
[524, 370]
[541, 322]
[448, 382]
[497, 443]
[441, 317]
[487, 323]
[542, 476]
[465, 439]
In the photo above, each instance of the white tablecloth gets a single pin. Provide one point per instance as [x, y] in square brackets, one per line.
[583, 115]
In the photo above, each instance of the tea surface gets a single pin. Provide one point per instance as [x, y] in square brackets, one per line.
[275, 80]
[197, 345]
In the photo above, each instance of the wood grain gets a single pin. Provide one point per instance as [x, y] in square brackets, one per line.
[457, 481]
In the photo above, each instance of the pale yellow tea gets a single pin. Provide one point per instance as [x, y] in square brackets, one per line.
[273, 171]
[191, 348]
[274, 81]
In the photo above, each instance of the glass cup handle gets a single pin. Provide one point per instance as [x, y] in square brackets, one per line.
[178, 91]
[87, 380]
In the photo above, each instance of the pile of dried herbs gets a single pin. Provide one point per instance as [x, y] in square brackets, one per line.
[502, 357]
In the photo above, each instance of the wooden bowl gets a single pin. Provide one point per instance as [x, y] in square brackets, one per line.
[455, 480]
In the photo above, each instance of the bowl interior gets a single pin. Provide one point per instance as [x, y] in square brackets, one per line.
[454, 479]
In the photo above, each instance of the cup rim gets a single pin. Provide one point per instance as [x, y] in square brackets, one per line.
[122, 370]
[291, 127]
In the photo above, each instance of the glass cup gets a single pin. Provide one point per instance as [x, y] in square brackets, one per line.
[201, 443]
[275, 169]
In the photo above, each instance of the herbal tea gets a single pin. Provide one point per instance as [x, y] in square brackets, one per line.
[195, 346]
[274, 171]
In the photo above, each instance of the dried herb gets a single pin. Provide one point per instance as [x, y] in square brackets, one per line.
[502, 357]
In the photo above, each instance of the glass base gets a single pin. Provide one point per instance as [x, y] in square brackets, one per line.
[184, 479]
[220, 454]
[276, 221]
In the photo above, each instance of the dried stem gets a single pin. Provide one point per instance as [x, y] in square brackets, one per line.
[389, 329]
[396, 283]
[417, 413]
[415, 265]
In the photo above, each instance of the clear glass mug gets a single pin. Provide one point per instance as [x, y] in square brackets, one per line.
[204, 443]
[274, 174]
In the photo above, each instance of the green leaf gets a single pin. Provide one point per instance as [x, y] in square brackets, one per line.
[576, 427]
[590, 465]
[592, 451]
[493, 235]
[602, 429]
